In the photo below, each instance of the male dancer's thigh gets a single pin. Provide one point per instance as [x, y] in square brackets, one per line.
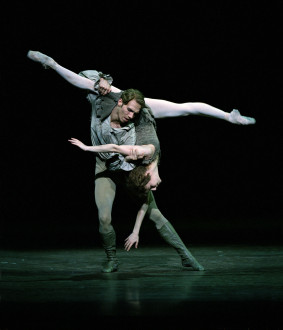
[154, 213]
[105, 190]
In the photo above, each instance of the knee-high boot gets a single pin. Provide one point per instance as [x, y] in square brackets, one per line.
[169, 234]
[109, 245]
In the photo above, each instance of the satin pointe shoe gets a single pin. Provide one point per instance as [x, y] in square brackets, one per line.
[236, 118]
[45, 60]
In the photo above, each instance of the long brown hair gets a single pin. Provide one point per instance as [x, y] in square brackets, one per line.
[136, 182]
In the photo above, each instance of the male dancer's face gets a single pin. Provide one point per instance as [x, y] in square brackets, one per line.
[127, 112]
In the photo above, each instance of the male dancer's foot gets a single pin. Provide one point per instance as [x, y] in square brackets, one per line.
[109, 244]
[110, 266]
[45, 60]
[169, 234]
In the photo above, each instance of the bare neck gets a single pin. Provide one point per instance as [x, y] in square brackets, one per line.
[153, 167]
[114, 118]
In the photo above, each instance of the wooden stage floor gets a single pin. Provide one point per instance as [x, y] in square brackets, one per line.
[241, 288]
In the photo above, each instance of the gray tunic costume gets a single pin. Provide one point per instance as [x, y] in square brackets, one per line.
[142, 132]
[139, 132]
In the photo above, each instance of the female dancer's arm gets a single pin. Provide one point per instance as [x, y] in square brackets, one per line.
[131, 152]
[134, 237]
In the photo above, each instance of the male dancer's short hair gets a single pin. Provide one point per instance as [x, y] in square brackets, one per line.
[133, 94]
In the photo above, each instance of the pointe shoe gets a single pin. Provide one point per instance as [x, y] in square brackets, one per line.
[236, 118]
[45, 60]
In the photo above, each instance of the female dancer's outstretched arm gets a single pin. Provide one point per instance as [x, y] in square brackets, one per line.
[134, 237]
[131, 152]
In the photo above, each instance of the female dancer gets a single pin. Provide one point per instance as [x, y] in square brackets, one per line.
[131, 153]
[160, 108]
[96, 81]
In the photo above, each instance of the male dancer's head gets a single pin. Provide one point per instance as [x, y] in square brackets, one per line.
[128, 107]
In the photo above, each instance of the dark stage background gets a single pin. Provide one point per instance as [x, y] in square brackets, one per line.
[221, 182]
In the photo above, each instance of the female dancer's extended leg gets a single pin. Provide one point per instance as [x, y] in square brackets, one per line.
[160, 108]
[163, 109]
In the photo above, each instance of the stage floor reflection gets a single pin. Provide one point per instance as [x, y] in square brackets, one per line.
[242, 286]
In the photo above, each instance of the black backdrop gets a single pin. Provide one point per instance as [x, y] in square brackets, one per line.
[221, 182]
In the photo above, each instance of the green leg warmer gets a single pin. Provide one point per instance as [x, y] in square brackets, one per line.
[169, 234]
[109, 245]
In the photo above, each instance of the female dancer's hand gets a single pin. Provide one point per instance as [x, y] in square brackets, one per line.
[78, 143]
[133, 238]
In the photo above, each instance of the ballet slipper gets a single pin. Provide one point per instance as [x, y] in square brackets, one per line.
[236, 118]
[45, 60]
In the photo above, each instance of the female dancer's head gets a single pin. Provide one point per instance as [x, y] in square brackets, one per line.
[144, 178]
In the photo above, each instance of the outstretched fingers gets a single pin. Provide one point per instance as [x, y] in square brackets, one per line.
[130, 241]
[74, 141]
[128, 245]
[77, 143]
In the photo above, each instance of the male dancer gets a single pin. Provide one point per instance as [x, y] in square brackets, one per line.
[111, 119]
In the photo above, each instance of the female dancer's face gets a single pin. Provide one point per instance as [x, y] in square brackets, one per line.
[154, 181]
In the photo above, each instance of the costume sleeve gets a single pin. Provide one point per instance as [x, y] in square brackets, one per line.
[146, 134]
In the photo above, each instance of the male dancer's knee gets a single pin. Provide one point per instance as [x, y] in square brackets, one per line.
[156, 216]
[104, 222]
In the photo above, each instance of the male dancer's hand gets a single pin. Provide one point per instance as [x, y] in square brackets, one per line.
[104, 86]
[139, 152]
[133, 238]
